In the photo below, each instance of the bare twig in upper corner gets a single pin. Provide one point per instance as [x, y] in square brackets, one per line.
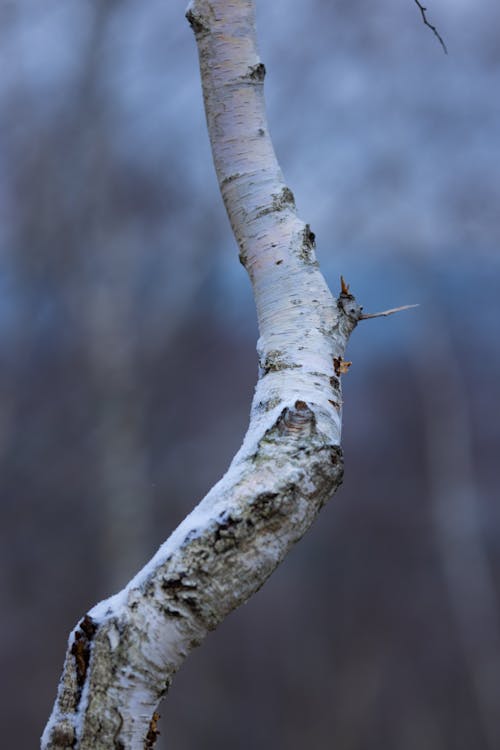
[430, 26]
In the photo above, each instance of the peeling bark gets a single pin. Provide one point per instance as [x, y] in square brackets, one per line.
[123, 654]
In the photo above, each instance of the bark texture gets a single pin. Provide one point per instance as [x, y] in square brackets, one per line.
[123, 654]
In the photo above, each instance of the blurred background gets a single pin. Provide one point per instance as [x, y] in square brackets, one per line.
[127, 362]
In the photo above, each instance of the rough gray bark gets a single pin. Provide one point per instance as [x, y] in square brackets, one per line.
[123, 654]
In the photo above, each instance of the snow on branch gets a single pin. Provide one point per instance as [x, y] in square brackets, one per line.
[123, 654]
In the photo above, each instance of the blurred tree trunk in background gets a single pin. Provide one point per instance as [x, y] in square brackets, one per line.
[456, 510]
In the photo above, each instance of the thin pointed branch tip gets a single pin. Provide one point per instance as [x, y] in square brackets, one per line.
[434, 30]
[385, 313]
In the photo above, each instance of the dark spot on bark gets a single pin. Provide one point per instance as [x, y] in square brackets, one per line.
[273, 362]
[280, 202]
[287, 196]
[226, 520]
[309, 237]
[261, 131]
[257, 72]
[149, 589]
[334, 404]
[201, 553]
[348, 305]
[180, 592]
[307, 245]
[178, 583]
[336, 455]
[118, 744]
[265, 504]
[230, 178]
[334, 382]
[63, 736]
[327, 472]
[227, 533]
[279, 262]
[193, 604]
[164, 690]
[80, 649]
[269, 404]
[171, 612]
[153, 732]
[196, 23]
[283, 199]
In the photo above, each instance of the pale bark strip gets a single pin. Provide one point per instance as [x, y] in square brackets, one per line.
[123, 654]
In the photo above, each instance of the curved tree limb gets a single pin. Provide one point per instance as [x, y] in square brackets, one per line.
[123, 654]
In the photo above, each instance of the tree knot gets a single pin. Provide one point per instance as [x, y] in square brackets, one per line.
[296, 420]
[196, 23]
[347, 305]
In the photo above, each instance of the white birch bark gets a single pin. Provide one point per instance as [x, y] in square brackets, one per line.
[123, 654]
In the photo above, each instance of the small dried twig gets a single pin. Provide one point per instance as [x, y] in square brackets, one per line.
[430, 26]
[385, 313]
[344, 288]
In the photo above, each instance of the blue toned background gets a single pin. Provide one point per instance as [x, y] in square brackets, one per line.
[127, 362]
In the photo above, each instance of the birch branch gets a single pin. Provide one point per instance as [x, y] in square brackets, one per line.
[122, 655]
